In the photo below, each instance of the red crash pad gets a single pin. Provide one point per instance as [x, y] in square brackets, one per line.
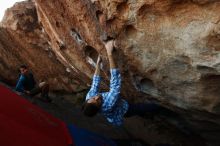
[24, 124]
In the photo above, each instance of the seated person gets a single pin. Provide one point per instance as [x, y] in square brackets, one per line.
[26, 84]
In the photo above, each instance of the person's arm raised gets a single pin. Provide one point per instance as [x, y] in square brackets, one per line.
[96, 81]
[98, 63]
[115, 81]
[109, 48]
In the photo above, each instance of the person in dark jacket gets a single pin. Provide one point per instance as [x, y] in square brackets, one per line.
[26, 84]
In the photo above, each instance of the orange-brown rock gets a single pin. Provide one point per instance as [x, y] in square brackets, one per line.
[24, 41]
[168, 50]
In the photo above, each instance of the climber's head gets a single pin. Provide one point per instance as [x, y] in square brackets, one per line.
[92, 106]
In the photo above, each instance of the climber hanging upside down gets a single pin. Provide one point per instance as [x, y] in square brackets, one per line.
[110, 104]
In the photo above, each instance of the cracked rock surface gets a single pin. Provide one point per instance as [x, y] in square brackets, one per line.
[168, 51]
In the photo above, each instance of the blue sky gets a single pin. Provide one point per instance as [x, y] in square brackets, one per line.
[6, 4]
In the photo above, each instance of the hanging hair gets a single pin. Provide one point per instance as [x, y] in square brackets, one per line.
[90, 109]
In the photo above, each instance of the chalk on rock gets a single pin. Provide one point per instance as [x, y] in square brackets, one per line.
[76, 36]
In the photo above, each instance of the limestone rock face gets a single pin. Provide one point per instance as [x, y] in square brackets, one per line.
[24, 41]
[168, 50]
